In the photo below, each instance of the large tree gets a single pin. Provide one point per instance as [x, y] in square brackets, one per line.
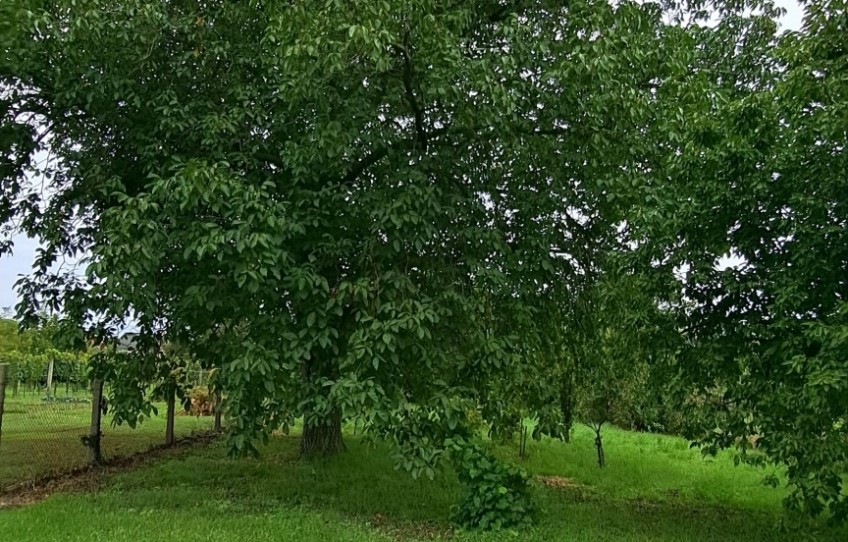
[355, 210]
[374, 211]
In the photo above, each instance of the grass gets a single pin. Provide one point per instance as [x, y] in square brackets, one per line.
[42, 438]
[655, 488]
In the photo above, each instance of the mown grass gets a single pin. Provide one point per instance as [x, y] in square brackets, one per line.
[41, 438]
[655, 488]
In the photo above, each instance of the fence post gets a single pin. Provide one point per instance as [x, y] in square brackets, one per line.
[95, 455]
[50, 377]
[169, 427]
[218, 427]
[2, 394]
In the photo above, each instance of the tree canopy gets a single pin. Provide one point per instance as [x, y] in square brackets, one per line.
[750, 220]
[374, 211]
[348, 207]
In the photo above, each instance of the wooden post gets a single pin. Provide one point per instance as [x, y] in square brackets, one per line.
[2, 394]
[169, 427]
[95, 455]
[218, 426]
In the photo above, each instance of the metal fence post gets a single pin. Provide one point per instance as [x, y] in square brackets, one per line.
[2, 394]
[95, 454]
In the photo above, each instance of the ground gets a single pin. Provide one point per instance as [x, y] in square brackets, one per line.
[655, 488]
[40, 438]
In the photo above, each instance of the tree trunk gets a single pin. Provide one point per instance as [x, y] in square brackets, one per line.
[169, 421]
[3, 367]
[322, 438]
[522, 442]
[218, 399]
[95, 454]
[599, 444]
[566, 406]
[322, 435]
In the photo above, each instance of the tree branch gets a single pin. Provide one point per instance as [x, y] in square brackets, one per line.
[408, 82]
[377, 155]
[359, 167]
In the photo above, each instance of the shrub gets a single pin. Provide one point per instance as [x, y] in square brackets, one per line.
[201, 402]
[496, 492]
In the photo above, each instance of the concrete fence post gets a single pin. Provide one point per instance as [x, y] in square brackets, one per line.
[50, 367]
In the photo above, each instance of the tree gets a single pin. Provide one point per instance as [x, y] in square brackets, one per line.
[750, 226]
[364, 211]
[10, 339]
[624, 343]
[350, 207]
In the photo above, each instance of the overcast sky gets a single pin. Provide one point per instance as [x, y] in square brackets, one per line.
[11, 267]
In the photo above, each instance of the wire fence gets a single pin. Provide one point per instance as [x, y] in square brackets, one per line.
[50, 430]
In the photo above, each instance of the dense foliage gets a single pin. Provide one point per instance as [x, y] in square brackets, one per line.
[496, 493]
[749, 232]
[397, 213]
[30, 354]
[349, 207]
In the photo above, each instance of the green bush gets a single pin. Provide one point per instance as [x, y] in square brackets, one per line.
[496, 492]
[30, 370]
[200, 402]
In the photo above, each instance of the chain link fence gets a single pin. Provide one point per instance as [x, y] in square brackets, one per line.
[55, 427]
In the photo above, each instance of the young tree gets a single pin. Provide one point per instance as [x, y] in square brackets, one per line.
[625, 338]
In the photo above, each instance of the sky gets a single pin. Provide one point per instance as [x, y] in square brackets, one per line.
[17, 264]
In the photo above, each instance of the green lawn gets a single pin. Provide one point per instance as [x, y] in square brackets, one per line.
[44, 438]
[654, 489]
